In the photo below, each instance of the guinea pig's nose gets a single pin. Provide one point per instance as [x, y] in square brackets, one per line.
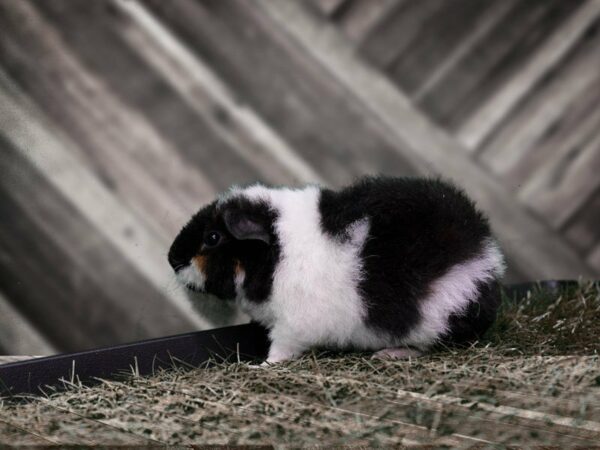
[176, 263]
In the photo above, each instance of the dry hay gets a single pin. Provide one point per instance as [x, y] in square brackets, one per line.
[535, 380]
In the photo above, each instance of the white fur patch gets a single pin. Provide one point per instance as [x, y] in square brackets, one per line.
[314, 300]
[260, 312]
[191, 276]
[452, 293]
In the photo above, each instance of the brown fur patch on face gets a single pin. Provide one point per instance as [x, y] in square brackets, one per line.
[200, 262]
[238, 267]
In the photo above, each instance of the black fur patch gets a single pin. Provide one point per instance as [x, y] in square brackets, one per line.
[419, 228]
[189, 240]
[257, 258]
[478, 317]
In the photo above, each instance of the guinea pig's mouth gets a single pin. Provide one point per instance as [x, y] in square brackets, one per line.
[179, 267]
[190, 277]
[194, 288]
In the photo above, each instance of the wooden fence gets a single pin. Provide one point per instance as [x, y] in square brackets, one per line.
[118, 119]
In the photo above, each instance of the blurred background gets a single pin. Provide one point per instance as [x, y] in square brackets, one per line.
[119, 119]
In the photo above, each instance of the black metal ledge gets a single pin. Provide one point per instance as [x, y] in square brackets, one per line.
[244, 342]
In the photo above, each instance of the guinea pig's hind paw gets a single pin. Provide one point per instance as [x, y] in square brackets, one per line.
[396, 353]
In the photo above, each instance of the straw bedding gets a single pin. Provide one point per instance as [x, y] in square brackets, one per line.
[534, 380]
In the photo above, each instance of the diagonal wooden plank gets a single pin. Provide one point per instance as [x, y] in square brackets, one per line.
[517, 148]
[594, 258]
[120, 153]
[54, 157]
[565, 181]
[492, 15]
[483, 121]
[146, 80]
[328, 7]
[84, 293]
[437, 38]
[18, 336]
[539, 251]
[298, 99]
[251, 137]
[131, 156]
[395, 32]
[358, 19]
[582, 229]
[494, 59]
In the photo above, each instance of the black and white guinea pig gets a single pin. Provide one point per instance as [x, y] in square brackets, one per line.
[393, 265]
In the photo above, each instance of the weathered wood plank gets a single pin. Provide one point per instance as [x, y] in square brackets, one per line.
[18, 336]
[144, 239]
[60, 270]
[122, 148]
[55, 158]
[565, 181]
[305, 105]
[251, 138]
[551, 117]
[482, 121]
[328, 7]
[129, 154]
[572, 127]
[201, 131]
[594, 258]
[497, 57]
[540, 252]
[396, 31]
[65, 287]
[583, 227]
[358, 19]
[436, 39]
[493, 14]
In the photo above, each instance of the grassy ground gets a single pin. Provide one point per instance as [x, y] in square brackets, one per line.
[534, 380]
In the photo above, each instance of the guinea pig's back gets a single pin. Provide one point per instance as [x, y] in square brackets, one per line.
[428, 256]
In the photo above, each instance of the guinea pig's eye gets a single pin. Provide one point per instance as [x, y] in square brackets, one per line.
[212, 239]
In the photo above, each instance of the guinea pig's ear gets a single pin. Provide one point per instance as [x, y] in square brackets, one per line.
[244, 226]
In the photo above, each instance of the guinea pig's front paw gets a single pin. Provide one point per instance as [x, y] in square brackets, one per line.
[278, 357]
[280, 352]
[396, 353]
[257, 366]
[262, 365]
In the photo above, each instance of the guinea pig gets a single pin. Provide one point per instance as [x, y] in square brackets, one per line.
[390, 265]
